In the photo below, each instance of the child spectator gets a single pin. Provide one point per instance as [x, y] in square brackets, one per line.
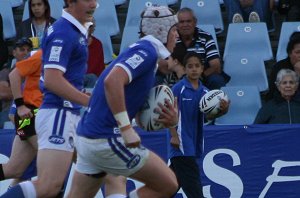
[186, 139]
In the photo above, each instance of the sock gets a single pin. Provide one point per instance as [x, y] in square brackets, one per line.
[116, 196]
[133, 194]
[15, 191]
[28, 189]
[1, 173]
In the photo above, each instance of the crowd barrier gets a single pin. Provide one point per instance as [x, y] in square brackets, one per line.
[237, 162]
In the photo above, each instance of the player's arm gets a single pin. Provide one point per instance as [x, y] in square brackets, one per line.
[15, 79]
[114, 85]
[55, 82]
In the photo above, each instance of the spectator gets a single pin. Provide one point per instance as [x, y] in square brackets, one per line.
[291, 62]
[252, 11]
[38, 22]
[284, 109]
[290, 8]
[186, 139]
[3, 46]
[21, 50]
[95, 59]
[191, 38]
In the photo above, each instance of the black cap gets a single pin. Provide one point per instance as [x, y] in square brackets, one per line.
[23, 41]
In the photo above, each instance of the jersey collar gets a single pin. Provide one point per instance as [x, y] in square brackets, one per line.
[161, 50]
[74, 21]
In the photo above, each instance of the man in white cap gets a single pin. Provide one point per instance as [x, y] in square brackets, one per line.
[107, 143]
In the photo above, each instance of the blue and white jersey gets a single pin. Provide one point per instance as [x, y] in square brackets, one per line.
[140, 63]
[65, 48]
[190, 125]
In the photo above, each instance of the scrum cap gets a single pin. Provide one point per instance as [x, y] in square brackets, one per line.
[157, 21]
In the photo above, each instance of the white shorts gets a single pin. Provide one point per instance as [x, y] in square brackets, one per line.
[56, 129]
[110, 155]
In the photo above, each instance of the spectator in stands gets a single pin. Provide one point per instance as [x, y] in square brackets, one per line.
[3, 46]
[191, 38]
[252, 11]
[283, 109]
[38, 22]
[290, 8]
[291, 62]
[21, 50]
[95, 59]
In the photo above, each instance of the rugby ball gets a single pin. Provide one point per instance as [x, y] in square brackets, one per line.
[210, 102]
[146, 117]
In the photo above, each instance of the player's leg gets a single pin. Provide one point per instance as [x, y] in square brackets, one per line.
[84, 185]
[188, 175]
[115, 186]
[53, 166]
[159, 179]
[23, 152]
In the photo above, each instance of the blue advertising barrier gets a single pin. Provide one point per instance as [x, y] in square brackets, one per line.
[238, 161]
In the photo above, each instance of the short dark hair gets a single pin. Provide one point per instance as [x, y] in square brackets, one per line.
[66, 3]
[23, 41]
[294, 40]
[192, 54]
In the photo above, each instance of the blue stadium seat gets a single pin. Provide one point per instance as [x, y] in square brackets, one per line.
[106, 17]
[104, 37]
[210, 29]
[207, 12]
[246, 70]
[244, 105]
[16, 3]
[130, 35]
[119, 2]
[171, 2]
[287, 29]
[136, 7]
[9, 28]
[248, 38]
[56, 7]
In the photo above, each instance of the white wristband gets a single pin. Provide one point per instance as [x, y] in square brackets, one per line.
[122, 119]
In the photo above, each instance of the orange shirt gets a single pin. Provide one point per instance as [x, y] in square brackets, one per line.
[30, 69]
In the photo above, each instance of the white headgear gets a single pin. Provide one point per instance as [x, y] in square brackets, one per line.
[157, 21]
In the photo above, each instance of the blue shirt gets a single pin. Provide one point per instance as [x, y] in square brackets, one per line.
[190, 125]
[65, 49]
[140, 63]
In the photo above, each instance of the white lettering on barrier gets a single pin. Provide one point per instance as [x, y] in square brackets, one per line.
[221, 175]
[278, 165]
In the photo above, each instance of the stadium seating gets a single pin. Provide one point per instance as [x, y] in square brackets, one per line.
[106, 17]
[9, 28]
[207, 12]
[16, 3]
[136, 7]
[119, 2]
[130, 35]
[55, 5]
[171, 2]
[246, 70]
[245, 102]
[248, 38]
[287, 29]
[104, 37]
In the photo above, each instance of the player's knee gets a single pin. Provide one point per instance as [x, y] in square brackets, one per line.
[172, 188]
[49, 189]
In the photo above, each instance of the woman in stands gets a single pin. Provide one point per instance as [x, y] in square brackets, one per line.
[292, 62]
[38, 22]
[283, 109]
